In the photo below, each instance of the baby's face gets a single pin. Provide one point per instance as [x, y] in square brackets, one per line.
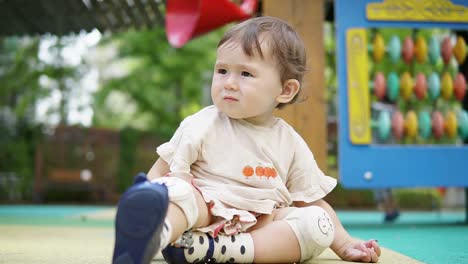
[245, 87]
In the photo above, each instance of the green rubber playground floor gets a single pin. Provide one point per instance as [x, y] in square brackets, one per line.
[428, 237]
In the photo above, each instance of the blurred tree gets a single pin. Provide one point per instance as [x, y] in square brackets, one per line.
[19, 91]
[19, 75]
[150, 85]
[60, 76]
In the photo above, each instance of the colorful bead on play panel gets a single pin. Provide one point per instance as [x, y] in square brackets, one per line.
[420, 51]
[424, 120]
[433, 86]
[459, 50]
[420, 87]
[393, 86]
[378, 48]
[383, 125]
[408, 49]
[459, 86]
[447, 50]
[463, 124]
[411, 124]
[397, 124]
[394, 48]
[379, 85]
[451, 124]
[434, 50]
[447, 86]
[406, 85]
[437, 124]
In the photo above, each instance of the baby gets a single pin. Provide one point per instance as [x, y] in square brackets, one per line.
[235, 183]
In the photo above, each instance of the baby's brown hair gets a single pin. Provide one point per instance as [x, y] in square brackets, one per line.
[285, 45]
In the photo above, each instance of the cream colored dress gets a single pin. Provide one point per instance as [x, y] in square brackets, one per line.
[244, 170]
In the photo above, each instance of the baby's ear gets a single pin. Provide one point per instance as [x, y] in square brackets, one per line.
[290, 88]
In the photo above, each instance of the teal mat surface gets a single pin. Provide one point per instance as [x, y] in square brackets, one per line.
[431, 237]
[53, 215]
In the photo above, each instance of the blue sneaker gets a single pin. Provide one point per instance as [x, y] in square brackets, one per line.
[139, 221]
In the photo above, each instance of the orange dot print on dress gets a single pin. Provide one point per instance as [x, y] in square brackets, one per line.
[270, 172]
[248, 171]
[260, 171]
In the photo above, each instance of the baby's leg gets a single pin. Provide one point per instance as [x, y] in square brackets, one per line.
[292, 235]
[287, 235]
[274, 240]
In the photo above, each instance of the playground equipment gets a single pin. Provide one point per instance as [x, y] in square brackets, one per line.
[420, 124]
[188, 19]
[407, 87]
[378, 48]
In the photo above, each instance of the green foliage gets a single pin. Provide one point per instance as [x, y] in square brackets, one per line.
[344, 198]
[18, 143]
[162, 84]
[128, 144]
[19, 74]
[19, 91]
[418, 198]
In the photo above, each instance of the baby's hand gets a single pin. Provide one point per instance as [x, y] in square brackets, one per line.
[361, 251]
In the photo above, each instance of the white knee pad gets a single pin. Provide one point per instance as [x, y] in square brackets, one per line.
[314, 230]
[181, 194]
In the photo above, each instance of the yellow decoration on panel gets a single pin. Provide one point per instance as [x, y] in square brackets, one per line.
[417, 10]
[358, 86]
[378, 51]
[421, 49]
[451, 124]
[447, 86]
[406, 85]
[411, 124]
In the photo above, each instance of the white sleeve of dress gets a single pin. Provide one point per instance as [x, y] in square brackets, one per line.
[182, 150]
[306, 182]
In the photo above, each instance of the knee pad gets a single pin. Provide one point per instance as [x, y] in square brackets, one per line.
[314, 230]
[181, 194]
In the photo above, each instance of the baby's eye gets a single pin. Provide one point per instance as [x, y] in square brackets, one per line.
[246, 74]
[221, 71]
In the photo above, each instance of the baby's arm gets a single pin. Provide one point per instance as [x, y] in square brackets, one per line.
[159, 169]
[345, 246]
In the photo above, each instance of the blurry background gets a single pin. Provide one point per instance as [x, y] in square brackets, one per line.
[83, 110]
[90, 88]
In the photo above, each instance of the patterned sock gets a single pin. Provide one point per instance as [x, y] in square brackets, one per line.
[234, 249]
[198, 247]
